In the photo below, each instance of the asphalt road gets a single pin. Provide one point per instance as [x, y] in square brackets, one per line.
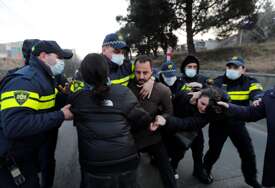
[227, 171]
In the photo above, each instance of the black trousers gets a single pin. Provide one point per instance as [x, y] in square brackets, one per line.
[120, 180]
[47, 159]
[159, 153]
[28, 170]
[176, 151]
[239, 136]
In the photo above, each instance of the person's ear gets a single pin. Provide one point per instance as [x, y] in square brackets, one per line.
[243, 70]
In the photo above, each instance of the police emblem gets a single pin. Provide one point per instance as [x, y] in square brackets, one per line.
[170, 66]
[120, 37]
[21, 96]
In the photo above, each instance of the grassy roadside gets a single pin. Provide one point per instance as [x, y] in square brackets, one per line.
[259, 58]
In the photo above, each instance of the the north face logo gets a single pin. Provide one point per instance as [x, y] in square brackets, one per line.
[21, 96]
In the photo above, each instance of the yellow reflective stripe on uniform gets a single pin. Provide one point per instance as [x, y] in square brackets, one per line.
[12, 93]
[238, 92]
[239, 97]
[255, 86]
[20, 98]
[244, 95]
[132, 76]
[29, 103]
[121, 81]
[132, 67]
[186, 88]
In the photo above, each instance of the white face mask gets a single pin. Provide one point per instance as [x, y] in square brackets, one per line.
[58, 68]
[169, 80]
[118, 59]
[232, 74]
[190, 72]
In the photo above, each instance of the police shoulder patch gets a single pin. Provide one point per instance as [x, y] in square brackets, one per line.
[21, 96]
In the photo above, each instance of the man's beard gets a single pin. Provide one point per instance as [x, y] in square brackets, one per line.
[141, 81]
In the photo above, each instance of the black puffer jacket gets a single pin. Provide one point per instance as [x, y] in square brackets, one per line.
[104, 136]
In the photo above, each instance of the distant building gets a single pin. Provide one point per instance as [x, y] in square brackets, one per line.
[11, 50]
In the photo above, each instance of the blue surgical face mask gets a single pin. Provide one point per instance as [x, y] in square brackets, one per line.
[169, 80]
[232, 74]
[190, 72]
[58, 68]
[117, 59]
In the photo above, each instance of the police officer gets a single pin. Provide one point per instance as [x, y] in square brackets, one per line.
[121, 69]
[27, 113]
[189, 81]
[241, 89]
[168, 76]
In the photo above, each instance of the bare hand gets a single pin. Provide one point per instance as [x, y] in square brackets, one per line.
[160, 120]
[64, 89]
[68, 115]
[257, 102]
[147, 88]
[153, 127]
[195, 96]
[223, 104]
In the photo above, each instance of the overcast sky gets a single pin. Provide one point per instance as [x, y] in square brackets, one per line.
[78, 24]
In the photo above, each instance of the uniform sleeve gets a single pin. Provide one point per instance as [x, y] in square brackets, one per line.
[255, 90]
[21, 110]
[136, 115]
[247, 113]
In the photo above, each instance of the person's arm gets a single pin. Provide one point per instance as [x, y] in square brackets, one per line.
[256, 90]
[135, 114]
[19, 110]
[247, 113]
[147, 88]
[166, 100]
[175, 124]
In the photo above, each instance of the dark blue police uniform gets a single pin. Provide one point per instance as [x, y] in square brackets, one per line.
[27, 113]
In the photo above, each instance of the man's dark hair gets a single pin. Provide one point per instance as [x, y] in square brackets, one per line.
[94, 70]
[143, 59]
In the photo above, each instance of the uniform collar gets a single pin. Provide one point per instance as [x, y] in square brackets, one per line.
[228, 81]
[112, 65]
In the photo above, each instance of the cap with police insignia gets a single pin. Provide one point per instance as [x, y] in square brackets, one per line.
[114, 40]
[48, 46]
[168, 69]
[238, 61]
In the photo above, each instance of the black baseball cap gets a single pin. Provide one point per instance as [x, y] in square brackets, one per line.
[50, 46]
